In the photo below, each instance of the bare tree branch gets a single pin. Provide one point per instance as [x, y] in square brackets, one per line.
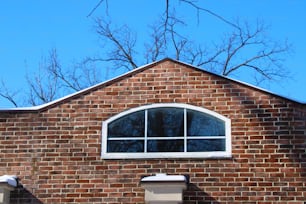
[245, 49]
[79, 76]
[155, 47]
[97, 6]
[43, 87]
[8, 94]
[198, 8]
[177, 40]
[166, 15]
[263, 54]
[52, 81]
[123, 42]
[55, 69]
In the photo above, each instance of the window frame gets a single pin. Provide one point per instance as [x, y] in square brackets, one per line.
[146, 155]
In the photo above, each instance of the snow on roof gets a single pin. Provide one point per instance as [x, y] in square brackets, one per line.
[36, 108]
[164, 178]
[247, 84]
[10, 180]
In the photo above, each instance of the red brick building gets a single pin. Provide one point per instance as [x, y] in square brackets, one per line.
[234, 142]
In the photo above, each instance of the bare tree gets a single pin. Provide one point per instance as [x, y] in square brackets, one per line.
[265, 56]
[79, 76]
[123, 44]
[51, 81]
[8, 94]
[44, 86]
[245, 48]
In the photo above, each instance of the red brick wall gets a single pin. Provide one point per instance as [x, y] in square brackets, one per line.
[56, 152]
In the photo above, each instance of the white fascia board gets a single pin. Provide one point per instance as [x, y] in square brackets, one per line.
[164, 178]
[244, 83]
[9, 179]
[36, 108]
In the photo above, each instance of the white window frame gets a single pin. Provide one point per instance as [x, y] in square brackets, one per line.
[144, 155]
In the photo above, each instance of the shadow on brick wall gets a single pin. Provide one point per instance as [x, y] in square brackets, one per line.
[194, 195]
[22, 196]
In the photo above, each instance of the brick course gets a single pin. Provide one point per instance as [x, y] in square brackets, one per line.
[56, 151]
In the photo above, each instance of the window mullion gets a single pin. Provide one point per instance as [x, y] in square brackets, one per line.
[208, 133]
[146, 130]
[185, 130]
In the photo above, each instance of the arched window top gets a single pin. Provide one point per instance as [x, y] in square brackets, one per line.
[165, 105]
[166, 130]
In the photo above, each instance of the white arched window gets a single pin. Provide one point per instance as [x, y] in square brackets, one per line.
[168, 130]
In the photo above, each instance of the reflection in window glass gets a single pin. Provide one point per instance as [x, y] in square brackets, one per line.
[125, 146]
[131, 125]
[207, 145]
[165, 145]
[173, 130]
[166, 122]
[202, 124]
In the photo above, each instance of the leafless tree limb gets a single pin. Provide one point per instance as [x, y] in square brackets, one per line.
[178, 41]
[97, 6]
[264, 53]
[156, 46]
[198, 8]
[55, 69]
[123, 42]
[52, 81]
[43, 87]
[246, 48]
[8, 94]
[166, 15]
[77, 77]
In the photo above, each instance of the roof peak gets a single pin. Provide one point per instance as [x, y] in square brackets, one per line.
[146, 66]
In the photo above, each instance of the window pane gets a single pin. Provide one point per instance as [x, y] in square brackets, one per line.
[201, 124]
[131, 125]
[166, 122]
[165, 145]
[125, 146]
[206, 145]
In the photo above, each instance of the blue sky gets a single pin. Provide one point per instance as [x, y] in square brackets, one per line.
[29, 29]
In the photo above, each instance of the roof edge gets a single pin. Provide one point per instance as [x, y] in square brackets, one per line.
[134, 71]
[83, 91]
[243, 83]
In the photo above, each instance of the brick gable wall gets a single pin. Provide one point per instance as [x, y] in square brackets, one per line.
[56, 152]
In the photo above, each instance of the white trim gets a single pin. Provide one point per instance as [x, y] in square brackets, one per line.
[36, 108]
[164, 177]
[165, 155]
[245, 83]
[146, 132]
[185, 130]
[212, 154]
[11, 180]
[165, 105]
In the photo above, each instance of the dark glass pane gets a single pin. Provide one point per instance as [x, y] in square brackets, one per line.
[125, 146]
[165, 146]
[131, 125]
[165, 122]
[202, 124]
[208, 145]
